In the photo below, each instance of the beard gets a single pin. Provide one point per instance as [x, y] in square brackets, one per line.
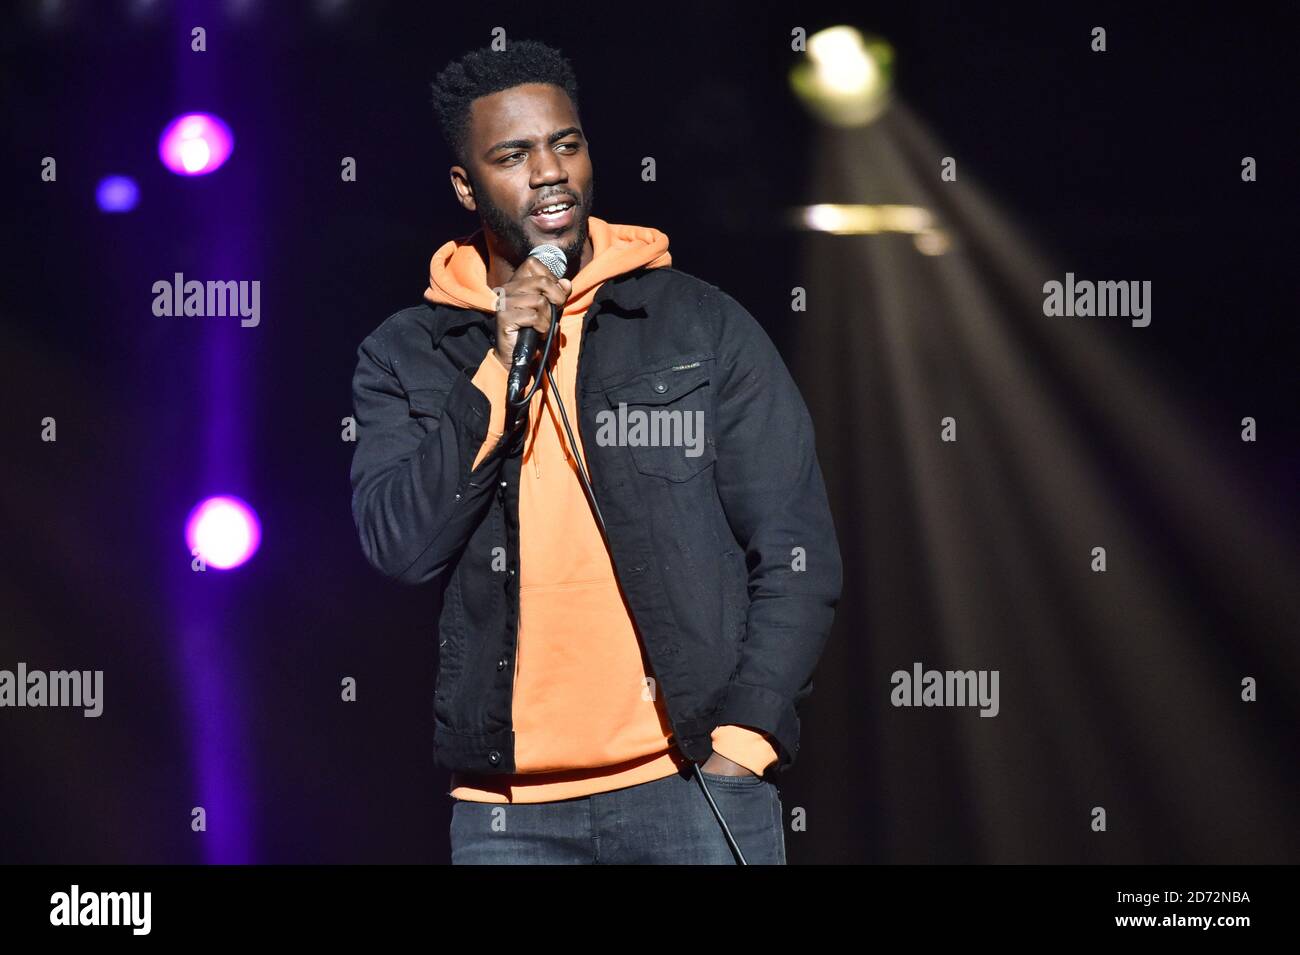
[510, 233]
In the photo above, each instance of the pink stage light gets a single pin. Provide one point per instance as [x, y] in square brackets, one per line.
[224, 530]
[195, 144]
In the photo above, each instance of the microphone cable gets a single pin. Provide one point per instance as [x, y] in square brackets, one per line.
[600, 519]
[591, 496]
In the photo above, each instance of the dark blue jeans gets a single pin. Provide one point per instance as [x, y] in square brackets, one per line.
[666, 820]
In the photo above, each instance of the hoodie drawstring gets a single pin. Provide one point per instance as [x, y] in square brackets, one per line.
[546, 409]
[540, 403]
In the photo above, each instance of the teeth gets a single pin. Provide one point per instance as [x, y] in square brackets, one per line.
[550, 210]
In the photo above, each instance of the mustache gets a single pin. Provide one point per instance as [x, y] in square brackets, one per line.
[576, 200]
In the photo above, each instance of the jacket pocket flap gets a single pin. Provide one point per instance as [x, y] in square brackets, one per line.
[663, 386]
[426, 402]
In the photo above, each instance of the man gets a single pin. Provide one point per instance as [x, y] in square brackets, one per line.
[594, 649]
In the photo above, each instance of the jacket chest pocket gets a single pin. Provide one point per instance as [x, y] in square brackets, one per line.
[664, 419]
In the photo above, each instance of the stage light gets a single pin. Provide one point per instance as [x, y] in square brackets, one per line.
[845, 77]
[195, 144]
[862, 219]
[224, 530]
[932, 241]
[117, 194]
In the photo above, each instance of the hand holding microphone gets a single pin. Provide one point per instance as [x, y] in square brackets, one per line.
[526, 306]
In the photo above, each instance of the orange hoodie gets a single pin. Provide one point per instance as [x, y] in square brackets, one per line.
[586, 714]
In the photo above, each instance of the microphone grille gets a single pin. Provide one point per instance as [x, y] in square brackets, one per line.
[553, 257]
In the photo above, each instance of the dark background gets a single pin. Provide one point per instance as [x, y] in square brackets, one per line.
[223, 689]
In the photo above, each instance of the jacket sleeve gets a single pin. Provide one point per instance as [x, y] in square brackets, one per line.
[415, 500]
[771, 488]
[748, 747]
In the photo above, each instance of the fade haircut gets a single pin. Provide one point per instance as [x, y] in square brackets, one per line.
[485, 71]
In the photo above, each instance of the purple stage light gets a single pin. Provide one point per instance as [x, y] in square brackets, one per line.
[224, 530]
[195, 144]
[117, 194]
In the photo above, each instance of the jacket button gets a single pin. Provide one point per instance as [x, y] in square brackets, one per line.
[503, 483]
[660, 387]
[512, 571]
[501, 664]
[494, 757]
[458, 497]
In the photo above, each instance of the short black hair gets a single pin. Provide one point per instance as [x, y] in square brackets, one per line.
[485, 71]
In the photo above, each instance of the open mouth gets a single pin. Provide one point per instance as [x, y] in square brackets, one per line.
[555, 216]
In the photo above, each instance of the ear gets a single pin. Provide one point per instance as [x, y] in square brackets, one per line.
[462, 188]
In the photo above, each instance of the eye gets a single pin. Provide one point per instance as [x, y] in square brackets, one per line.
[511, 156]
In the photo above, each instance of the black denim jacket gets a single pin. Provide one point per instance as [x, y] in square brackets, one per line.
[727, 558]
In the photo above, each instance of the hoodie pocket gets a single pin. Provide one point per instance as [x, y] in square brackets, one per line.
[663, 418]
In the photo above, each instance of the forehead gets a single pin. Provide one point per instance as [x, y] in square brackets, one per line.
[531, 109]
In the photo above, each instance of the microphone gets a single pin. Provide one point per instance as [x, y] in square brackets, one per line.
[554, 259]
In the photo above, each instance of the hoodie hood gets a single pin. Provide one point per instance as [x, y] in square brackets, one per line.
[458, 270]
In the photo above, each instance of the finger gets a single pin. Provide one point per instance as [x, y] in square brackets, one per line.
[541, 296]
[534, 300]
[557, 291]
[532, 267]
[516, 319]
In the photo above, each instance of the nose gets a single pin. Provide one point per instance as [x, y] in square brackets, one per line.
[547, 170]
